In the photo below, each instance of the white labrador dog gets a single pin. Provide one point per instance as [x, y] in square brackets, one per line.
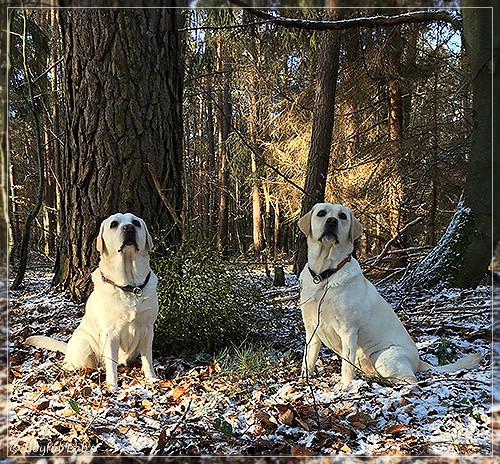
[343, 310]
[121, 310]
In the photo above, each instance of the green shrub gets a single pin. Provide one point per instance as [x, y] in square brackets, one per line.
[206, 303]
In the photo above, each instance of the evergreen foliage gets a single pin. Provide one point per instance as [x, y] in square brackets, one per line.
[206, 303]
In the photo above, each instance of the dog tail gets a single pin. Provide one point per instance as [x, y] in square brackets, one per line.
[47, 343]
[466, 362]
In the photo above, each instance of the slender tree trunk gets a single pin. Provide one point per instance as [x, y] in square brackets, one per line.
[396, 182]
[4, 168]
[52, 144]
[116, 122]
[258, 241]
[209, 200]
[350, 76]
[224, 122]
[23, 253]
[322, 128]
[254, 131]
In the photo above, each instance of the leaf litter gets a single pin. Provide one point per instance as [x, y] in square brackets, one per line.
[211, 409]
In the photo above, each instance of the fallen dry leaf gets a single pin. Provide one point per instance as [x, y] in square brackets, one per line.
[146, 404]
[178, 392]
[297, 450]
[397, 428]
[285, 414]
[42, 405]
[346, 449]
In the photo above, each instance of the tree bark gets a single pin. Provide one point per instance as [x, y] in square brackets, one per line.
[461, 257]
[321, 135]
[496, 134]
[117, 121]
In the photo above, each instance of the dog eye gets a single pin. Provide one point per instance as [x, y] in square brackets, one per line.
[136, 223]
[321, 213]
[114, 225]
[343, 216]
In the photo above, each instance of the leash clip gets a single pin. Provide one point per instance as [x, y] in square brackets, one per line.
[317, 279]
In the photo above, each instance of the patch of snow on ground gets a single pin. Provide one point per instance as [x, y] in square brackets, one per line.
[203, 410]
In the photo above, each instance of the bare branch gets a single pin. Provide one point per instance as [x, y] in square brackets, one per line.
[393, 239]
[351, 23]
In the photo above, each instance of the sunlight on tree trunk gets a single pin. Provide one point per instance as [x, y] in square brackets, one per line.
[321, 135]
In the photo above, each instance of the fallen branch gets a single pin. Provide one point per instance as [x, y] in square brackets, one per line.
[284, 299]
[277, 291]
[164, 199]
[392, 240]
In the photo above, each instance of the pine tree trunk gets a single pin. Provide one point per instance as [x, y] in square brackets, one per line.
[258, 239]
[462, 256]
[117, 120]
[395, 165]
[321, 135]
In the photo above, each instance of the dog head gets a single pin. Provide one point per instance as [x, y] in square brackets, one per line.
[124, 233]
[332, 225]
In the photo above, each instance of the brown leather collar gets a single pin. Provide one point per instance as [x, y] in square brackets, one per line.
[135, 289]
[317, 278]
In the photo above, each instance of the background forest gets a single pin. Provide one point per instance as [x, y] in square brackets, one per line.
[221, 127]
[398, 153]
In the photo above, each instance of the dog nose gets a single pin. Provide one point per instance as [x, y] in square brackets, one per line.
[332, 220]
[128, 228]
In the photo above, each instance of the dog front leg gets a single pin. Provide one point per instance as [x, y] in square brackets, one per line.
[111, 362]
[146, 351]
[349, 346]
[311, 351]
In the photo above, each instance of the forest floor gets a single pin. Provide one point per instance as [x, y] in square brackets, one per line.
[258, 405]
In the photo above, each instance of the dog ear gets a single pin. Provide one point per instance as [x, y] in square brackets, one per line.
[356, 228]
[100, 244]
[149, 240]
[305, 223]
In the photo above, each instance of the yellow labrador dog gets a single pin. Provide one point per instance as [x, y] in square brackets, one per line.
[343, 310]
[121, 310]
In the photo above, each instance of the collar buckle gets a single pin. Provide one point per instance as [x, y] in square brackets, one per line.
[317, 279]
[137, 291]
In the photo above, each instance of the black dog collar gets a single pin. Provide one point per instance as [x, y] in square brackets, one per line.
[317, 278]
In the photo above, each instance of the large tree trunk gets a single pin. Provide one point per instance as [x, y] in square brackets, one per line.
[461, 257]
[117, 120]
[496, 134]
[321, 136]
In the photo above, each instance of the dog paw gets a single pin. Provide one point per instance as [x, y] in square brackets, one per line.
[343, 385]
[111, 387]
